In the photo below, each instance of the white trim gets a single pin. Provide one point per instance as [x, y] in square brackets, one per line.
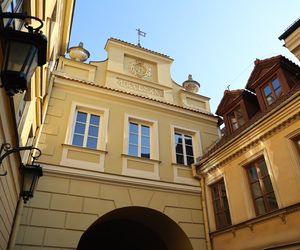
[85, 165]
[153, 124]
[102, 112]
[140, 173]
[195, 134]
[184, 180]
[154, 148]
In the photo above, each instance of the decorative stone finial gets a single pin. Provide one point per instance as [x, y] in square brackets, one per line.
[191, 85]
[78, 53]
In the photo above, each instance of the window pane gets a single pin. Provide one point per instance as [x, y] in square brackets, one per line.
[79, 128]
[145, 152]
[145, 141]
[268, 94]
[188, 140]
[91, 142]
[228, 219]
[218, 205]
[133, 150]
[93, 131]
[145, 130]
[263, 168]
[225, 202]
[95, 119]
[272, 201]
[268, 184]
[277, 87]
[179, 149]
[133, 127]
[260, 206]
[179, 159]
[253, 174]
[239, 117]
[256, 189]
[81, 117]
[178, 138]
[190, 160]
[77, 140]
[133, 139]
[221, 220]
[267, 90]
[189, 150]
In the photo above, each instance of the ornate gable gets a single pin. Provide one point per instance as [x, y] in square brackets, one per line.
[230, 96]
[262, 69]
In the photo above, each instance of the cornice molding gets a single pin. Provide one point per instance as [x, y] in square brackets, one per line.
[62, 171]
[280, 126]
[165, 105]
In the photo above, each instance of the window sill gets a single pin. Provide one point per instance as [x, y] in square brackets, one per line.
[181, 165]
[281, 213]
[141, 158]
[84, 149]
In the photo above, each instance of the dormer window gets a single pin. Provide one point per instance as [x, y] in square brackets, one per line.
[236, 118]
[272, 91]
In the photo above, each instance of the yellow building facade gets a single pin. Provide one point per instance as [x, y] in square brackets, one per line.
[118, 141]
[22, 116]
[251, 177]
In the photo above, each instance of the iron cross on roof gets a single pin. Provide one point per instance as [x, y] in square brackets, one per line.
[140, 33]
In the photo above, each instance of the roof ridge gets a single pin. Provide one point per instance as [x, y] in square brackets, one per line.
[137, 95]
[139, 47]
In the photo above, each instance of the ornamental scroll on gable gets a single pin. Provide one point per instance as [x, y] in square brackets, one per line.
[140, 68]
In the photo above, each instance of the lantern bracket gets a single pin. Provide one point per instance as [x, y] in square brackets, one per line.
[6, 150]
[24, 16]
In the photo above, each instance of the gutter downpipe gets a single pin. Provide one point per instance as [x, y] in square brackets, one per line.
[201, 179]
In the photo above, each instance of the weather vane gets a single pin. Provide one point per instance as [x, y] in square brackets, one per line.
[140, 33]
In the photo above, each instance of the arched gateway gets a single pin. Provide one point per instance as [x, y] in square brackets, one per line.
[134, 228]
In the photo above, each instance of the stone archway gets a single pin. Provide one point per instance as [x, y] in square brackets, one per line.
[134, 228]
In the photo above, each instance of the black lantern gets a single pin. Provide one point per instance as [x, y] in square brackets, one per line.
[30, 173]
[30, 176]
[23, 52]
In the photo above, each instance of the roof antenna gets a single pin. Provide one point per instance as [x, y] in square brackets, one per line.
[140, 33]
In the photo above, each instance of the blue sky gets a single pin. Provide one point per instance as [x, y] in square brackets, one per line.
[216, 41]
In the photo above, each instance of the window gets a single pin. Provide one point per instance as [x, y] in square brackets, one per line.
[236, 118]
[184, 149]
[139, 140]
[220, 204]
[261, 187]
[272, 91]
[296, 140]
[86, 130]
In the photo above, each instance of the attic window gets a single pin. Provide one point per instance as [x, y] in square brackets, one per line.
[272, 91]
[236, 118]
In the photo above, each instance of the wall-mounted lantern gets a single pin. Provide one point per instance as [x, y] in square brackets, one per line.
[23, 52]
[30, 173]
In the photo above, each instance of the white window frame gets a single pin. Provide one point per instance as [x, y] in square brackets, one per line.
[195, 141]
[183, 135]
[153, 125]
[89, 109]
[87, 126]
[139, 134]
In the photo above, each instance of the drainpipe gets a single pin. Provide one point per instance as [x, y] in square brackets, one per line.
[19, 208]
[201, 179]
[16, 224]
[205, 214]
